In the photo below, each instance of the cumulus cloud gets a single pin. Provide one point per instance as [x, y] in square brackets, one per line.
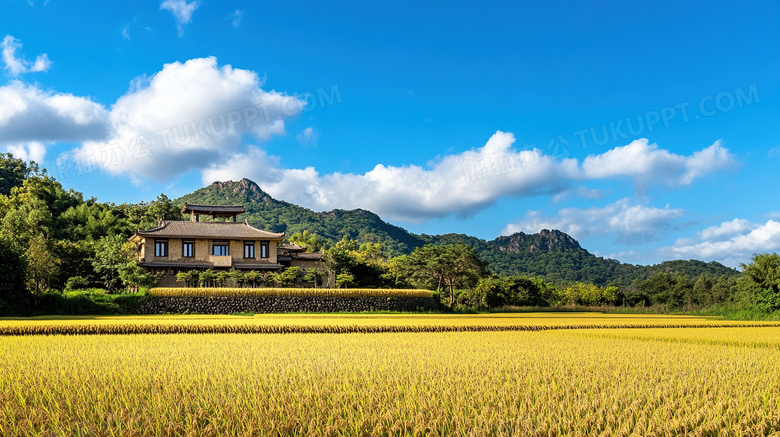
[185, 117]
[32, 151]
[730, 243]
[181, 10]
[28, 113]
[308, 136]
[18, 65]
[647, 165]
[462, 184]
[727, 230]
[631, 223]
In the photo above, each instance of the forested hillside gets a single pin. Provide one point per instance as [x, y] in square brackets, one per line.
[550, 254]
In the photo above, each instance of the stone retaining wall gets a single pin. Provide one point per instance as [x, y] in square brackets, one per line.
[230, 305]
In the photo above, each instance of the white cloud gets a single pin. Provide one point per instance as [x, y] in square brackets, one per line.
[412, 192]
[308, 136]
[731, 242]
[646, 164]
[18, 65]
[461, 184]
[236, 17]
[181, 10]
[581, 191]
[774, 152]
[188, 116]
[630, 222]
[32, 151]
[28, 113]
[727, 230]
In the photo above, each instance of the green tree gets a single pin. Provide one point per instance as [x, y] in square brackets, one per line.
[207, 278]
[288, 276]
[13, 172]
[42, 265]
[220, 278]
[764, 274]
[89, 221]
[162, 209]
[133, 276]
[238, 277]
[265, 278]
[344, 280]
[345, 257]
[397, 272]
[112, 254]
[251, 277]
[307, 239]
[314, 275]
[189, 278]
[12, 270]
[448, 267]
[75, 261]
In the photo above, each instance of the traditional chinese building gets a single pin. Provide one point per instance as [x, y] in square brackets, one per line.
[195, 244]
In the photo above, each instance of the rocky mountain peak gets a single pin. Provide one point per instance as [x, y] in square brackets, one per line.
[245, 188]
[545, 241]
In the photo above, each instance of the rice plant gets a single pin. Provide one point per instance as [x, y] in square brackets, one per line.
[510, 383]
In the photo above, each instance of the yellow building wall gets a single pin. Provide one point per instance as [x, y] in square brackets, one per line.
[237, 250]
[203, 250]
[174, 249]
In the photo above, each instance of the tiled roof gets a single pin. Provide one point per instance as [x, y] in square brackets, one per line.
[292, 248]
[315, 256]
[226, 230]
[212, 209]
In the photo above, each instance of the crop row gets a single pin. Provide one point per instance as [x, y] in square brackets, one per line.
[115, 329]
[287, 292]
[553, 383]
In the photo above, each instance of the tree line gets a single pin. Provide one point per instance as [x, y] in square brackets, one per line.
[464, 282]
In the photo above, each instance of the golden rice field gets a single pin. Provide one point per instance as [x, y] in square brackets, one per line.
[611, 382]
[347, 323]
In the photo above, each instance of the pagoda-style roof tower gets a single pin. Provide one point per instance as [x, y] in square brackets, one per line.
[215, 211]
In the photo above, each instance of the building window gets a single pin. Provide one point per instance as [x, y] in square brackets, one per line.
[249, 249]
[221, 248]
[161, 248]
[188, 249]
[264, 249]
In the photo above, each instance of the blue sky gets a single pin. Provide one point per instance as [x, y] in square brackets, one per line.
[647, 131]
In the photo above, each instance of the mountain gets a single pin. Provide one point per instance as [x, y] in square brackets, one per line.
[550, 254]
[265, 212]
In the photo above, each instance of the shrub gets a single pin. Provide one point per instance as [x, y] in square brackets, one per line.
[76, 283]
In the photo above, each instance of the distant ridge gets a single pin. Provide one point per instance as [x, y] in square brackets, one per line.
[550, 254]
